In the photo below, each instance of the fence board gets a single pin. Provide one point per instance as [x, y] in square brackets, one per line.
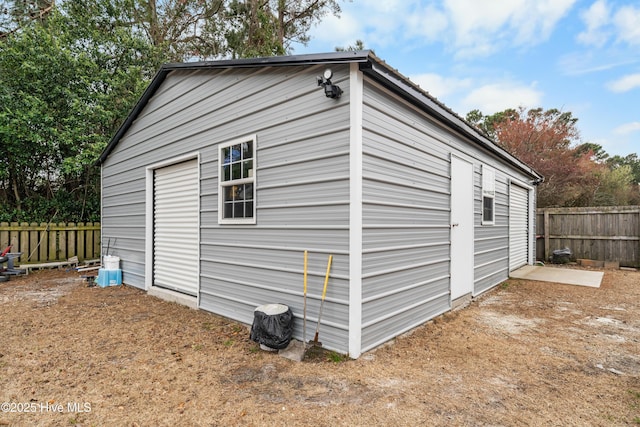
[603, 234]
[80, 241]
[14, 235]
[40, 243]
[4, 235]
[43, 242]
[97, 240]
[89, 244]
[52, 236]
[71, 251]
[32, 253]
[62, 241]
[24, 242]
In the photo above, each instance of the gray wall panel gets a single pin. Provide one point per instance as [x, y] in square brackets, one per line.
[393, 237]
[415, 315]
[303, 197]
[324, 240]
[302, 171]
[405, 190]
[400, 277]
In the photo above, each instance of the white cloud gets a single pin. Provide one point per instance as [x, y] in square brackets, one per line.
[481, 28]
[430, 22]
[469, 28]
[627, 128]
[439, 86]
[377, 24]
[625, 84]
[602, 22]
[627, 23]
[337, 32]
[496, 97]
[595, 18]
[578, 63]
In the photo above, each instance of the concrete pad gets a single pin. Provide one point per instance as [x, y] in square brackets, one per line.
[566, 276]
[294, 351]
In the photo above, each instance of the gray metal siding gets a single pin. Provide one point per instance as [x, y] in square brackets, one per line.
[303, 191]
[302, 197]
[302, 177]
[406, 211]
[405, 260]
[491, 247]
[123, 222]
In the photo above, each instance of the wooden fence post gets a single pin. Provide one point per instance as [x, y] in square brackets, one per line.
[547, 232]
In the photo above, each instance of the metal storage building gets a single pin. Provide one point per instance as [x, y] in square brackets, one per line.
[226, 171]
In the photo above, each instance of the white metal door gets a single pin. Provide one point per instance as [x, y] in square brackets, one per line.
[461, 228]
[518, 226]
[175, 227]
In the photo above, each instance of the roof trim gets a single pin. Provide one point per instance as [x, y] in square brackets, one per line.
[370, 65]
[310, 59]
[393, 80]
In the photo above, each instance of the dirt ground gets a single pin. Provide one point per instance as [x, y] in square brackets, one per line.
[525, 353]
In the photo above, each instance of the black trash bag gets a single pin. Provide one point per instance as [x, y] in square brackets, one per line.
[562, 256]
[272, 326]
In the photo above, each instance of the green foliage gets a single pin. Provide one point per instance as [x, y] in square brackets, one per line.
[15, 14]
[63, 207]
[253, 32]
[489, 124]
[596, 151]
[631, 160]
[266, 28]
[65, 86]
[334, 357]
[71, 71]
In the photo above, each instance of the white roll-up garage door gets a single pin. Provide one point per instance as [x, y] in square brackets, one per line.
[175, 227]
[518, 226]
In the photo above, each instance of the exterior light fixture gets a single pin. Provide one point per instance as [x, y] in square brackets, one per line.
[330, 90]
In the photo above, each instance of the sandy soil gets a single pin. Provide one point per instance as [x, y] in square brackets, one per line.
[526, 353]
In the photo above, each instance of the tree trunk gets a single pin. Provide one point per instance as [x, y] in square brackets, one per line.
[16, 192]
[282, 6]
[154, 29]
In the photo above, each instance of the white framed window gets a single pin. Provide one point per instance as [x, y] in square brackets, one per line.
[488, 195]
[236, 182]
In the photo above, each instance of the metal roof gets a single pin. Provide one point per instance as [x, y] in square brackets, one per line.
[370, 65]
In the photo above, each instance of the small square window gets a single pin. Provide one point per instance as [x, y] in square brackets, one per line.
[237, 182]
[487, 209]
[488, 195]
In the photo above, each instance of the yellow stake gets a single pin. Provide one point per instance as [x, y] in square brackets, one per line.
[326, 277]
[324, 292]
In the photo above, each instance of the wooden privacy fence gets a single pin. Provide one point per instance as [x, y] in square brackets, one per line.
[602, 233]
[40, 243]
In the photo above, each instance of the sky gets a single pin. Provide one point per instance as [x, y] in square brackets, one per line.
[578, 56]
